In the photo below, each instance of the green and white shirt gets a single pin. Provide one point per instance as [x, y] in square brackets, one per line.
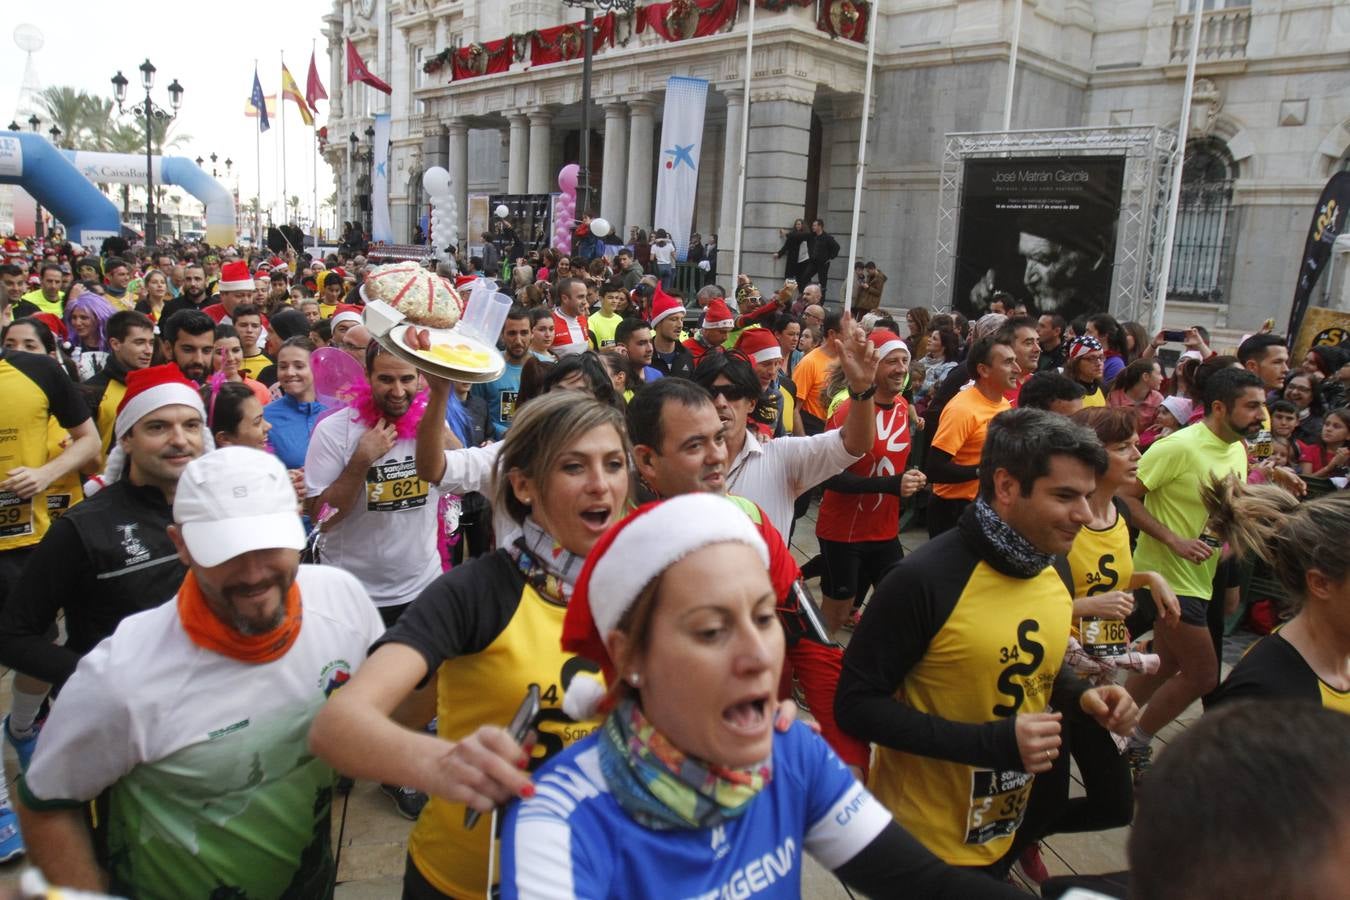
[212, 789]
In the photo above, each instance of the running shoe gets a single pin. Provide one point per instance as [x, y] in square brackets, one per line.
[1032, 866]
[1140, 760]
[11, 842]
[408, 801]
[23, 747]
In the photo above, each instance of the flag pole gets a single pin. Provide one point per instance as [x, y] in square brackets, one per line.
[745, 147]
[313, 149]
[257, 145]
[281, 111]
[1178, 161]
[1012, 64]
[862, 160]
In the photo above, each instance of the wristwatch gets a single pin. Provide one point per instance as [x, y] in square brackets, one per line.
[865, 395]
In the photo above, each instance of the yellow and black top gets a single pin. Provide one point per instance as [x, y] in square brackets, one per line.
[34, 388]
[1273, 669]
[488, 634]
[1100, 562]
[949, 651]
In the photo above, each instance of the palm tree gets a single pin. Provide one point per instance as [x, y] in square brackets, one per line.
[100, 123]
[294, 204]
[67, 108]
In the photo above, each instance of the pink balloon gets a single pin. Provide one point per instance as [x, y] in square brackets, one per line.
[567, 178]
[333, 370]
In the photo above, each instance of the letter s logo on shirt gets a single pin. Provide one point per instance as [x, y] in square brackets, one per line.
[1024, 660]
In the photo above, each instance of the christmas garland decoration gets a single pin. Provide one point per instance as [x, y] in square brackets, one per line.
[846, 19]
[674, 20]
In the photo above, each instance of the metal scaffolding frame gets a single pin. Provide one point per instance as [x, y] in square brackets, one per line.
[1148, 151]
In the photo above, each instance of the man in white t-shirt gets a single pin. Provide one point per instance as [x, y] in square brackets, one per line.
[193, 716]
[361, 464]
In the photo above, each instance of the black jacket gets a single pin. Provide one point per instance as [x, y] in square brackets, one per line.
[680, 366]
[824, 248]
[108, 558]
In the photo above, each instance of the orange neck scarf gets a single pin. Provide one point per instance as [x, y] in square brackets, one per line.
[209, 633]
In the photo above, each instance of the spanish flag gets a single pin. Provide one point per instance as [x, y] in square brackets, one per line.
[290, 91]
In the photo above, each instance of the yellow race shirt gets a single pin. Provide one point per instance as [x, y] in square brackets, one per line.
[66, 491]
[1100, 562]
[1273, 669]
[35, 389]
[488, 634]
[964, 647]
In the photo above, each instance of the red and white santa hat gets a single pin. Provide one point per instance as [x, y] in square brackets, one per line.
[886, 342]
[759, 344]
[718, 315]
[147, 390]
[464, 280]
[627, 558]
[234, 276]
[346, 312]
[664, 306]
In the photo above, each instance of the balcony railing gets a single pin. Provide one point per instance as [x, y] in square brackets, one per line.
[1223, 35]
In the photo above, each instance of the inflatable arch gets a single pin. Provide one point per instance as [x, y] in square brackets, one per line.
[31, 162]
[126, 168]
[63, 181]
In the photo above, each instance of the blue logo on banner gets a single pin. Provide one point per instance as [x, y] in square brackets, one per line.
[681, 155]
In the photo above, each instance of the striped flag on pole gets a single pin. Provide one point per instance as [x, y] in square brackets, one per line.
[291, 91]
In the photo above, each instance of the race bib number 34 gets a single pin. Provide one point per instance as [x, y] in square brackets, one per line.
[998, 800]
[16, 515]
[394, 486]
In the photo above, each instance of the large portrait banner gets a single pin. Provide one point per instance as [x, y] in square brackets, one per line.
[1041, 229]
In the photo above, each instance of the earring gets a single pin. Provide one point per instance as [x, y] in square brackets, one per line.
[635, 679]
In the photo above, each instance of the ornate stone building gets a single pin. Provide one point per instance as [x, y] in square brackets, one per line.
[1270, 119]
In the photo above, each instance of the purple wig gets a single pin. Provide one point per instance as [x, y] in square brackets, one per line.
[96, 307]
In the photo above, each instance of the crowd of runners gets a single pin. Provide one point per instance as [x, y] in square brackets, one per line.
[555, 616]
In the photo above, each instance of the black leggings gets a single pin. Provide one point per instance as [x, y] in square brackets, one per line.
[1106, 780]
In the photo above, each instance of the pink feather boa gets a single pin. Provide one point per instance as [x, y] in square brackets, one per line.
[358, 397]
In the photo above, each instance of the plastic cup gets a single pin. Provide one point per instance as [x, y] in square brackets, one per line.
[485, 314]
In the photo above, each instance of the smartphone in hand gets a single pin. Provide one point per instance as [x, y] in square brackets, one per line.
[520, 726]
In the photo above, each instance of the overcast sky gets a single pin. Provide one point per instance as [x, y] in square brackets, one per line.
[211, 50]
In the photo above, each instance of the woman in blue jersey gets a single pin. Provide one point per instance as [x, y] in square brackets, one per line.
[687, 789]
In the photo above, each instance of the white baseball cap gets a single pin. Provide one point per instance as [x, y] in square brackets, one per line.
[233, 501]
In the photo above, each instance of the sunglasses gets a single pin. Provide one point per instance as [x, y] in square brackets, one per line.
[729, 391]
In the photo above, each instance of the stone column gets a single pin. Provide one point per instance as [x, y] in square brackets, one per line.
[641, 177]
[458, 166]
[775, 183]
[614, 189]
[336, 51]
[518, 161]
[541, 141]
[731, 165]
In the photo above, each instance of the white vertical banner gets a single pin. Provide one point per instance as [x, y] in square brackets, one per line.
[380, 229]
[681, 149]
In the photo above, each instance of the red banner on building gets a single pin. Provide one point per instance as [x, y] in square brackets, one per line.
[846, 19]
[483, 59]
[681, 19]
[563, 43]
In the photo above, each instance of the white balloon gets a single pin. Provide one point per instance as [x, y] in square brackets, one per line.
[436, 180]
[502, 211]
[600, 227]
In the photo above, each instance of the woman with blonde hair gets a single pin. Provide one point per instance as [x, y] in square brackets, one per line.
[1307, 658]
[484, 632]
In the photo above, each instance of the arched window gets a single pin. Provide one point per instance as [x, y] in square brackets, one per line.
[1201, 251]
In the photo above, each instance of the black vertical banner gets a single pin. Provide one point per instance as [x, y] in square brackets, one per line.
[1328, 221]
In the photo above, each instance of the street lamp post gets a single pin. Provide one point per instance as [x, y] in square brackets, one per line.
[151, 112]
[619, 7]
[367, 220]
[33, 123]
[351, 175]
